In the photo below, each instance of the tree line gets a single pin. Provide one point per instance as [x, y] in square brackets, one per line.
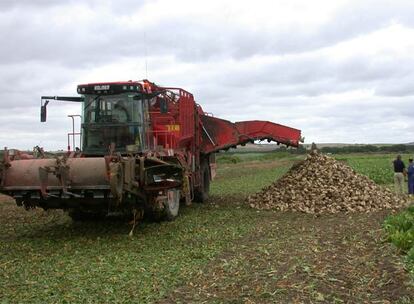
[400, 148]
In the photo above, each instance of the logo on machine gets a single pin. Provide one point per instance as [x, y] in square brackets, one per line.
[101, 87]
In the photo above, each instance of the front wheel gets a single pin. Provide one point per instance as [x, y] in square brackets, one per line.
[172, 204]
[165, 208]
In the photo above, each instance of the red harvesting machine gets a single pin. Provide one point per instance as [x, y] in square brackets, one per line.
[143, 148]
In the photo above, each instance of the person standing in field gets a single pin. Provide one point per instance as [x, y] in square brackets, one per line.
[410, 175]
[399, 171]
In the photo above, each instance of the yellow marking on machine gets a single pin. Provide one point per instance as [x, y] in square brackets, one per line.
[173, 128]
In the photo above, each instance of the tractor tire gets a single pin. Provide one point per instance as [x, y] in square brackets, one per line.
[170, 208]
[201, 194]
[172, 205]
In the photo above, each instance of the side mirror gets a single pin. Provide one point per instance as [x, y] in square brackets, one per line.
[43, 111]
[163, 106]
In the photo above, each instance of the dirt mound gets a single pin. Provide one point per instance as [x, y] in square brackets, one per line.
[321, 184]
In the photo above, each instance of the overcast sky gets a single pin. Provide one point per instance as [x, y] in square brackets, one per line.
[341, 71]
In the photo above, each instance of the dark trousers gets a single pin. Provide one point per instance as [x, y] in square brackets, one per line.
[411, 184]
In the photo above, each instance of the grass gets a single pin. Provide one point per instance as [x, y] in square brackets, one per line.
[245, 180]
[76, 262]
[234, 158]
[399, 227]
[377, 167]
[47, 258]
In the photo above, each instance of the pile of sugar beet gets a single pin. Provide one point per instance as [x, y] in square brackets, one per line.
[321, 184]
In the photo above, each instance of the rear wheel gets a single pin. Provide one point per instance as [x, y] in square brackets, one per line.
[202, 192]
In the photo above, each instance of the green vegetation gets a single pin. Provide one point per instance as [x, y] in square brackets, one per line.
[344, 149]
[400, 232]
[234, 158]
[47, 258]
[53, 259]
[243, 180]
[400, 148]
[67, 262]
[377, 167]
[229, 159]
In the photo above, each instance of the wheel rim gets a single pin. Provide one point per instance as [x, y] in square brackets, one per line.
[173, 201]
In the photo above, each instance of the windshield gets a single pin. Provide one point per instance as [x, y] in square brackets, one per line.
[116, 108]
[112, 119]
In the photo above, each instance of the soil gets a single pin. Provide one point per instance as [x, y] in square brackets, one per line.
[294, 257]
[299, 258]
[4, 198]
[291, 258]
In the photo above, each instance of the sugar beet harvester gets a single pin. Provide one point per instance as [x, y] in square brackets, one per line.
[144, 148]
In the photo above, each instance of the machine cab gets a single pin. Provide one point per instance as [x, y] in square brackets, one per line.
[113, 113]
[132, 117]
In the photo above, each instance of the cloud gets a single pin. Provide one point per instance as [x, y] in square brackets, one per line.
[330, 68]
[94, 34]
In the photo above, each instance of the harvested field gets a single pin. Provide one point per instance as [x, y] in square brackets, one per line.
[220, 252]
[299, 258]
